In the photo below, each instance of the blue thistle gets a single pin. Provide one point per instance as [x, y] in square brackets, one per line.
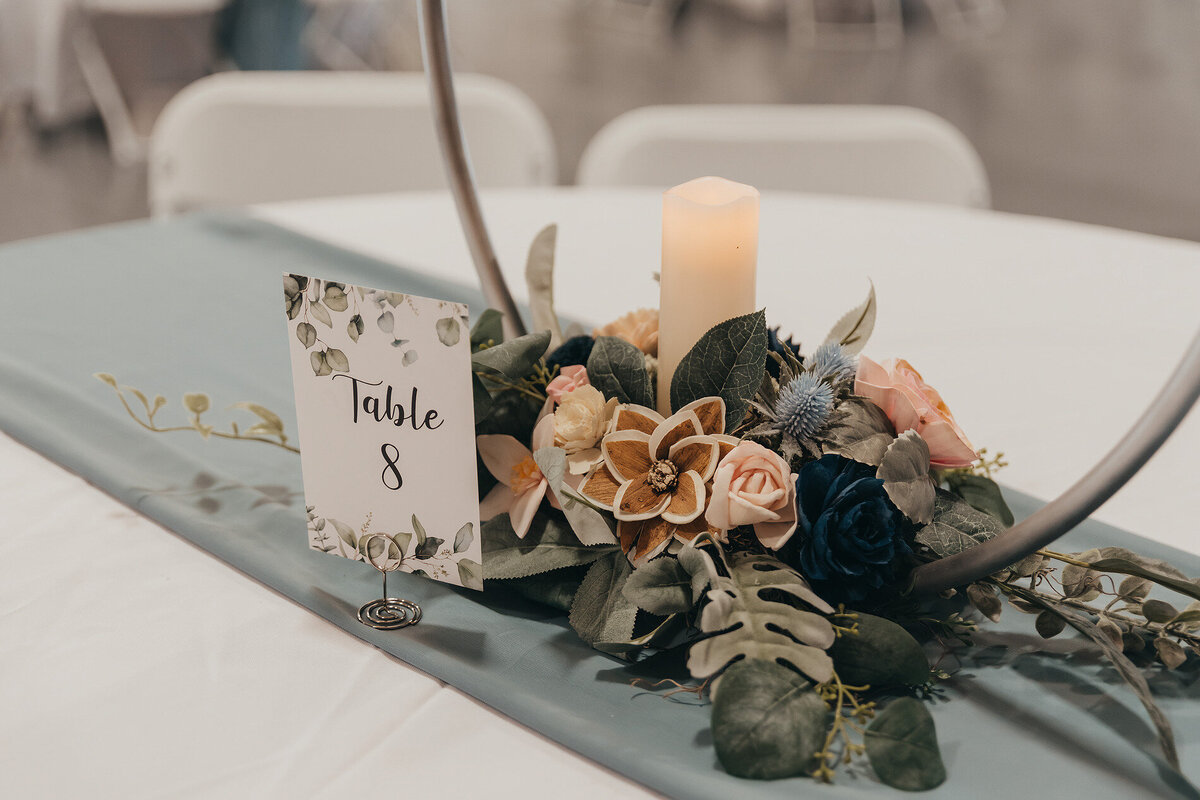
[832, 363]
[804, 406]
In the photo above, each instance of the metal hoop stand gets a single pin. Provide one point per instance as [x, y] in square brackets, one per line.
[388, 613]
[1050, 522]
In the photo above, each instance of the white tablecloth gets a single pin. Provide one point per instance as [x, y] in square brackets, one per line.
[134, 665]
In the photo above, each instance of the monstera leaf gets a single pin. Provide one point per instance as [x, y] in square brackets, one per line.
[750, 623]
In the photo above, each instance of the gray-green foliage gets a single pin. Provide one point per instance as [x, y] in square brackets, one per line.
[618, 369]
[748, 623]
[858, 430]
[600, 611]
[669, 585]
[904, 470]
[902, 746]
[956, 526]
[513, 359]
[880, 654]
[980, 493]
[539, 280]
[766, 720]
[727, 362]
[549, 545]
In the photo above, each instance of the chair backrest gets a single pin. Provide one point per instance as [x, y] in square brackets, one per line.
[251, 137]
[872, 151]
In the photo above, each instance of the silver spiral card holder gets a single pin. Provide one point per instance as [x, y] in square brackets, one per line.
[386, 613]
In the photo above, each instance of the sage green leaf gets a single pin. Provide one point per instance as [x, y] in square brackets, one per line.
[748, 624]
[983, 597]
[902, 746]
[1125, 668]
[470, 573]
[660, 635]
[661, 587]
[1158, 611]
[320, 364]
[618, 369]
[727, 362]
[696, 565]
[386, 322]
[1134, 588]
[448, 331]
[402, 540]
[539, 280]
[1115, 559]
[320, 313]
[271, 423]
[858, 430]
[767, 721]
[428, 548]
[307, 334]
[1078, 581]
[600, 611]
[550, 544]
[418, 530]
[1169, 652]
[854, 328]
[513, 359]
[464, 538]
[335, 298]
[589, 525]
[982, 494]
[337, 360]
[880, 655]
[345, 533]
[488, 330]
[355, 327]
[409, 358]
[904, 471]
[481, 398]
[956, 526]
[195, 402]
[555, 589]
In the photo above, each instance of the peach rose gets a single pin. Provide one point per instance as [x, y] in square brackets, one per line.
[568, 380]
[913, 405]
[754, 486]
[639, 328]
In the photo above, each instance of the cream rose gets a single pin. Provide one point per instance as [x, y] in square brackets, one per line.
[754, 486]
[582, 418]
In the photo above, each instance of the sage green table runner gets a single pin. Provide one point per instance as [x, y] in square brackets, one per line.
[194, 305]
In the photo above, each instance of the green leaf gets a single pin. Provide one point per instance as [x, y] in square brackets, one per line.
[982, 494]
[402, 540]
[859, 430]
[409, 358]
[337, 360]
[195, 402]
[555, 589]
[345, 533]
[1169, 652]
[448, 331]
[661, 587]
[386, 322]
[515, 358]
[481, 398]
[355, 327]
[956, 526]
[418, 530]
[464, 538]
[320, 364]
[539, 279]
[904, 471]
[767, 721]
[853, 329]
[600, 611]
[902, 746]
[488, 329]
[1125, 668]
[618, 369]
[321, 314]
[1116, 559]
[335, 298]
[750, 624]
[428, 548]
[307, 334]
[470, 573]
[727, 362]
[1158, 611]
[550, 544]
[983, 597]
[881, 655]
[589, 525]
[271, 423]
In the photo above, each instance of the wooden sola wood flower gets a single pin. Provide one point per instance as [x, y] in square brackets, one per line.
[655, 473]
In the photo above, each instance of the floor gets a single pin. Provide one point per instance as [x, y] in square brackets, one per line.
[1080, 109]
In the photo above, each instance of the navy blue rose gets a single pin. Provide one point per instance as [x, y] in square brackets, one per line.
[572, 352]
[849, 536]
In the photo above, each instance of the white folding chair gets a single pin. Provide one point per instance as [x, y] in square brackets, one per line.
[873, 151]
[251, 137]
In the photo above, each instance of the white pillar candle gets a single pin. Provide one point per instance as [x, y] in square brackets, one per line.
[709, 260]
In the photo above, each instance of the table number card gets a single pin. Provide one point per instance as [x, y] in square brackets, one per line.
[386, 426]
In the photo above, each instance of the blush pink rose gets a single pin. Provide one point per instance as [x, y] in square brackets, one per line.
[754, 486]
[568, 380]
[913, 405]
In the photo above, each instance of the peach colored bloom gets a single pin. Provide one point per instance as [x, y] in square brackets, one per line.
[639, 328]
[522, 484]
[568, 380]
[911, 404]
[754, 486]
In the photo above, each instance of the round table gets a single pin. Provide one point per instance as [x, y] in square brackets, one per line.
[1047, 339]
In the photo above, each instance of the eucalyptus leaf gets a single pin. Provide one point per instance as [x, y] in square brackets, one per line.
[428, 548]
[355, 327]
[727, 362]
[902, 746]
[513, 359]
[481, 398]
[858, 430]
[539, 280]
[618, 369]
[1158, 611]
[337, 360]
[661, 586]
[402, 540]
[600, 611]
[1169, 652]
[855, 327]
[386, 322]
[464, 538]
[589, 525]
[983, 597]
[904, 471]
[748, 624]
[767, 721]
[1049, 625]
[448, 331]
[319, 363]
[335, 298]
[470, 573]
[488, 330]
[307, 334]
[320, 314]
[418, 530]
[956, 526]
[409, 358]
[982, 494]
[345, 533]
[550, 544]
[195, 402]
[880, 654]
[1160, 572]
